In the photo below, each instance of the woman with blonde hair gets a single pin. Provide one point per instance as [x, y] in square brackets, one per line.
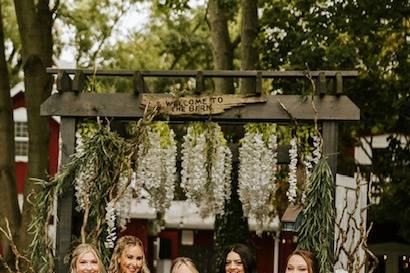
[128, 256]
[183, 265]
[86, 259]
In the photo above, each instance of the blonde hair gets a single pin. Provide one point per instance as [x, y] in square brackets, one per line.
[120, 246]
[82, 249]
[178, 262]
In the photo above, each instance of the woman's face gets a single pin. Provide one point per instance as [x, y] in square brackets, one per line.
[87, 263]
[234, 263]
[131, 259]
[297, 264]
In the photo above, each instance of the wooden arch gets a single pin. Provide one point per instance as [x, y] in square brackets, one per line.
[71, 105]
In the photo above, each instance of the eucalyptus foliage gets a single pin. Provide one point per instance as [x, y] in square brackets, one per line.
[316, 232]
[105, 154]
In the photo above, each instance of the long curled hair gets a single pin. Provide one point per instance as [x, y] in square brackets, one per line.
[80, 250]
[309, 258]
[120, 246]
[180, 261]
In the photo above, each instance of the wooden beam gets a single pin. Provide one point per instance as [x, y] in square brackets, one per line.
[209, 73]
[330, 135]
[79, 81]
[65, 202]
[64, 82]
[124, 105]
[139, 85]
[199, 83]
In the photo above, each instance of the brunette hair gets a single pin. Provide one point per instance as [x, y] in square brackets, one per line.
[180, 261]
[247, 257]
[80, 250]
[309, 258]
[120, 246]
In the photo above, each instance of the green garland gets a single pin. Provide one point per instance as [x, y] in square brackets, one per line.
[107, 156]
[316, 232]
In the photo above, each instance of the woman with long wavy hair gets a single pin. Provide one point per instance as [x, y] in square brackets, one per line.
[128, 256]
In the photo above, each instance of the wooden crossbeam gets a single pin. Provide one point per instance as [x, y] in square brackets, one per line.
[124, 105]
[209, 73]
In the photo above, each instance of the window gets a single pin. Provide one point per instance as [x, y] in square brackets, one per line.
[20, 129]
[21, 148]
[21, 139]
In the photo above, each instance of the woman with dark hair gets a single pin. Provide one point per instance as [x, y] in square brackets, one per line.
[301, 261]
[238, 258]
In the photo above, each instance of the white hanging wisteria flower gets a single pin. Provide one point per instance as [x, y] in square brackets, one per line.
[206, 168]
[293, 154]
[110, 217]
[83, 182]
[317, 145]
[84, 132]
[310, 159]
[156, 166]
[79, 143]
[257, 172]
[126, 192]
[84, 179]
[117, 210]
[85, 175]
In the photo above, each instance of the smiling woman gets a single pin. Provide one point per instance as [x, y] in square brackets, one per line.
[238, 258]
[128, 256]
[301, 261]
[85, 259]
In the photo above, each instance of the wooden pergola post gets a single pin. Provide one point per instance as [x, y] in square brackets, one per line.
[72, 105]
[65, 202]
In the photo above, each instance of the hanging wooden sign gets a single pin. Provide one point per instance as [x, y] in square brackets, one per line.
[197, 105]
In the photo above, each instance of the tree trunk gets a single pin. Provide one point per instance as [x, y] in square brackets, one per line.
[8, 193]
[231, 227]
[221, 46]
[249, 52]
[35, 22]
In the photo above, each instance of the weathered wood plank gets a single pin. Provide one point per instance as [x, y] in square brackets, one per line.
[209, 73]
[330, 134]
[197, 105]
[121, 105]
[65, 202]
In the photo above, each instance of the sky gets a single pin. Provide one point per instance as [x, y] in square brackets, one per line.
[134, 20]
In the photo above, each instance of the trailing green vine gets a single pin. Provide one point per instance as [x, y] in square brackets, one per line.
[316, 232]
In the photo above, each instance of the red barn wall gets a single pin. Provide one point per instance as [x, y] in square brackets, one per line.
[21, 167]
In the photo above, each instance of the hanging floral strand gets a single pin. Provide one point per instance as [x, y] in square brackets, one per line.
[156, 165]
[311, 156]
[293, 154]
[117, 209]
[206, 168]
[257, 171]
